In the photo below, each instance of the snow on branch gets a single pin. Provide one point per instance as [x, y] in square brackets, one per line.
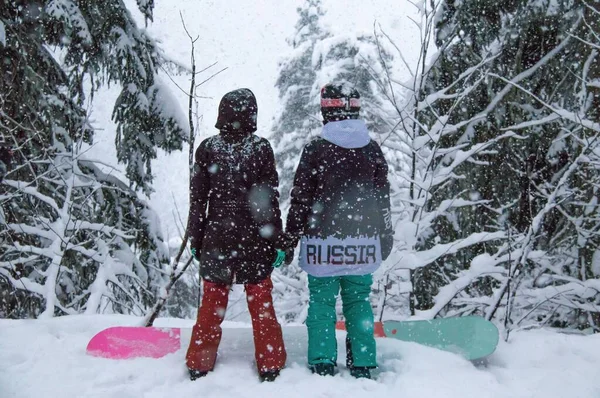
[417, 259]
[75, 225]
[432, 98]
[478, 269]
[560, 112]
[68, 12]
[31, 190]
[57, 245]
[24, 282]
[461, 157]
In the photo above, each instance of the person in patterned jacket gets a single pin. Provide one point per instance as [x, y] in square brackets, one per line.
[234, 225]
[340, 212]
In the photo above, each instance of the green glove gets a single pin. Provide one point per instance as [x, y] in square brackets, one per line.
[194, 254]
[279, 259]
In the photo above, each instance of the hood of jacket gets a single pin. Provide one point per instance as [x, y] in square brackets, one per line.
[238, 111]
[350, 133]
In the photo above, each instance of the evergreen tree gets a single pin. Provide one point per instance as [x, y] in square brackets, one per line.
[73, 238]
[102, 42]
[299, 119]
[354, 61]
[83, 242]
[536, 63]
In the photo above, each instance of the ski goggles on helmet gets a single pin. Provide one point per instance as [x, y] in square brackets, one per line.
[345, 103]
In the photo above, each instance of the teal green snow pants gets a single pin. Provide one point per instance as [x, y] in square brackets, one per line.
[322, 344]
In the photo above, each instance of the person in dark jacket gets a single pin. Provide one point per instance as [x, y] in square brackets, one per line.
[340, 209]
[234, 225]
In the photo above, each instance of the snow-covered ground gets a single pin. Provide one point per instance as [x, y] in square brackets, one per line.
[47, 359]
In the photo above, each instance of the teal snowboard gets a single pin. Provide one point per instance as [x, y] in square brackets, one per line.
[472, 337]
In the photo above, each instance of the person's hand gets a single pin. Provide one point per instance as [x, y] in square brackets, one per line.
[280, 257]
[288, 243]
[195, 254]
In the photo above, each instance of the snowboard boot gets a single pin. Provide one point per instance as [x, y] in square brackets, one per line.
[196, 374]
[322, 369]
[270, 375]
[360, 372]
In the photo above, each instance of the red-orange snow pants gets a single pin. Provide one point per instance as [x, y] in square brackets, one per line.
[206, 334]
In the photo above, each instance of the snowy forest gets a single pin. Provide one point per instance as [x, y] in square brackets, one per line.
[490, 128]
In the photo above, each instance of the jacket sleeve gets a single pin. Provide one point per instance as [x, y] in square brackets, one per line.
[200, 187]
[264, 197]
[302, 194]
[382, 194]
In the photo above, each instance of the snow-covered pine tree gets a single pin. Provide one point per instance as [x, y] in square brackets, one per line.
[299, 119]
[354, 60]
[417, 146]
[102, 43]
[553, 280]
[449, 89]
[539, 73]
[83, 242]
[68, 228]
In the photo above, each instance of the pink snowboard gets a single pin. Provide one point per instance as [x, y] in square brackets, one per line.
[122, 342]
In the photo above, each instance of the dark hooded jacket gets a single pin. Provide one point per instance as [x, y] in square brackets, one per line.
[234, 218]
[341, 194]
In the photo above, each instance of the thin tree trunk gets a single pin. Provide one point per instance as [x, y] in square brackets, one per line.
[164, 296]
